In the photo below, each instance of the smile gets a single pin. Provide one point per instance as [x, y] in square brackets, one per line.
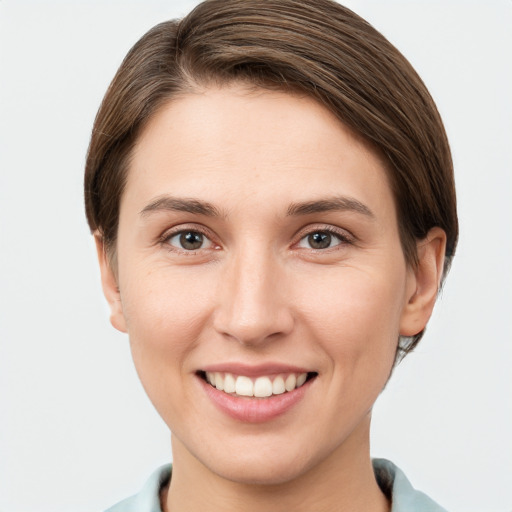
[259, 387]
[255, 394]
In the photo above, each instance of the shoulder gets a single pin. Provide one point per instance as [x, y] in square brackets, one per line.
[397, 487]
[148, 499]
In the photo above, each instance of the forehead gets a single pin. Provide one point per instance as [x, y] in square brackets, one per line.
[242, 143]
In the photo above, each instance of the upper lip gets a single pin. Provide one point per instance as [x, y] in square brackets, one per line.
[271, 368]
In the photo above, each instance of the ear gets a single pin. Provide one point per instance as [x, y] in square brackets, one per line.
[423, 283]
[109, 284]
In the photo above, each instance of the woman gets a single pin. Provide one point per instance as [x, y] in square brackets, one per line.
[271, 192]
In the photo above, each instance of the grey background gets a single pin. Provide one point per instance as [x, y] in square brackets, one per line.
[76, 430]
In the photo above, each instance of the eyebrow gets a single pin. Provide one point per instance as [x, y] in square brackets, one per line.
[175, 204]
[195, 206]
[332, 204]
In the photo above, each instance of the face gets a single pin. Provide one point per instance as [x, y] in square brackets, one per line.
[258, 253]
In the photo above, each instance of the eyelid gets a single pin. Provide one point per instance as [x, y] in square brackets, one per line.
[164, 238]
[345, 236]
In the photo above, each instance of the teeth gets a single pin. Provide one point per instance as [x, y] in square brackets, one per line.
[229, 383]
[290, 382]
[219, 381]
[278, 386]
[261, 387]
[244, 386]
[301, 379]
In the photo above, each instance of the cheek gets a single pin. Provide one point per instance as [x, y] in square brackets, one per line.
[165, 312]
[356, 316]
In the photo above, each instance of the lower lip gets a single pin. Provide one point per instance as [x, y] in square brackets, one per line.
[254, 410]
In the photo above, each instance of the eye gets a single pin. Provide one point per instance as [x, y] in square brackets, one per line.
[190, 240]
[321, 239]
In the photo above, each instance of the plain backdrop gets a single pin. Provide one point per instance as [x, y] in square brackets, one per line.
[76, 430]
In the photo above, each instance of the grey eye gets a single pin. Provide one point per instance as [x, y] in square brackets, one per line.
[190, 241]
[320, 240]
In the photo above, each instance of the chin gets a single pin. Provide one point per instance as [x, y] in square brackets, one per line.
[266, 473]
[262, 465]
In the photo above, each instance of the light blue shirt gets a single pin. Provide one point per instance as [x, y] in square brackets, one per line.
[393, 482]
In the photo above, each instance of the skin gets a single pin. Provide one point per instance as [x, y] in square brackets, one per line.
[257, 292]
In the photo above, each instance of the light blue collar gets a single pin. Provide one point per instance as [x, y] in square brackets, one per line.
[393, 482]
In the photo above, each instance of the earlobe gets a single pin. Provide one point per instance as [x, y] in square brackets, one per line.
[423, 283]
[110, 287]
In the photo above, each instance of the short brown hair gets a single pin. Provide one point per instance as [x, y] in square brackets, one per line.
[316, 47]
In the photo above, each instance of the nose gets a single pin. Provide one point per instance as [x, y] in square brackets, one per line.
[253, 304]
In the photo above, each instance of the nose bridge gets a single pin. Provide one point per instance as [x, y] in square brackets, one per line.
[252, 303]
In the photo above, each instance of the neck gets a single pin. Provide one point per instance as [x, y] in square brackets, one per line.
[344, 480]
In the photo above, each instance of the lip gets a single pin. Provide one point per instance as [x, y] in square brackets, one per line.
[251, 409]
[255, 370]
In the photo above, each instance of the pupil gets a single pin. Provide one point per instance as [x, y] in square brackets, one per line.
[319, 240]
[191, 240]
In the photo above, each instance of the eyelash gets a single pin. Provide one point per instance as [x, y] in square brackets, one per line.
[342, 237]
[165, 239]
